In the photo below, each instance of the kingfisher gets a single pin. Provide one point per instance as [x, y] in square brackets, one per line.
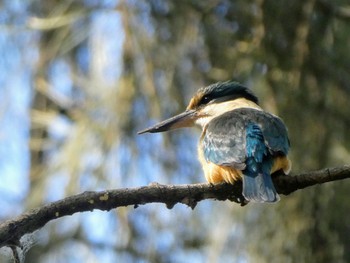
[239, 140]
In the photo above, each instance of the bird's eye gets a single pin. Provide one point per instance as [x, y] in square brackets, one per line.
[205, 100]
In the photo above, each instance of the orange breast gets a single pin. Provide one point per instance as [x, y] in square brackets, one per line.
[218, 174]
[281, 163]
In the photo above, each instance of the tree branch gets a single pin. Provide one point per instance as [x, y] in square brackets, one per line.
[12, 230]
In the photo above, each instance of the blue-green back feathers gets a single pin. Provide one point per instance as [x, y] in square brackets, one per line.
[257, 182]
[247, 139]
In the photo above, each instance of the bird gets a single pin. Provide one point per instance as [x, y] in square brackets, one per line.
[239, 140]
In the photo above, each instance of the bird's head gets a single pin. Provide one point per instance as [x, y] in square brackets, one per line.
[208, 103]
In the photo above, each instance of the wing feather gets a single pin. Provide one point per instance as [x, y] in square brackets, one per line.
[224, 141]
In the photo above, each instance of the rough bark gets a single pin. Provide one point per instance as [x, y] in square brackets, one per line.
[12, 230]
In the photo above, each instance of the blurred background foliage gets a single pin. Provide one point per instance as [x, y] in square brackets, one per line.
[80, 78]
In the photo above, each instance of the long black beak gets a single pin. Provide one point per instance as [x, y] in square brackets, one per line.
[185, 119]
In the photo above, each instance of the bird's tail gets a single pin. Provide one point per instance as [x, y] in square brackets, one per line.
[257, 183]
